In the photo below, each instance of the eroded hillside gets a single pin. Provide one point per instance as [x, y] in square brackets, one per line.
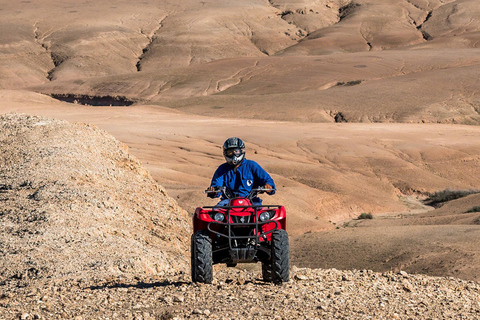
[365, 60]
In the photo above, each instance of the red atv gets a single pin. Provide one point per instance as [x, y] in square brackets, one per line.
[240, 233]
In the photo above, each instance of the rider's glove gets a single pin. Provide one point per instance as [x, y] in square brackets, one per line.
[268, 187]
[211, 192]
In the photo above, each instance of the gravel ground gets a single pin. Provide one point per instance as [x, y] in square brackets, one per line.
[240, 294]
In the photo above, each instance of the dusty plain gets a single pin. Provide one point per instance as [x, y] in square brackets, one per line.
[354, 107]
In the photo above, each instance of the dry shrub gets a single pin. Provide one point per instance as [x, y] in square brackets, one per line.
[365, 216]
[438, 198]
[474, 209]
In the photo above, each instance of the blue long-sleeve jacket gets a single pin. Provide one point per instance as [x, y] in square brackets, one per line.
[242, 180]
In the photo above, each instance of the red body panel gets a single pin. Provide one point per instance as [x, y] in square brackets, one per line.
[241, 207]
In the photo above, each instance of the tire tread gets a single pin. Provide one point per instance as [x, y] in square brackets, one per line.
[202, 270]
[280, 256]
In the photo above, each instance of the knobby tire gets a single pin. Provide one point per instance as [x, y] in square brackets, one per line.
[202, 270]
[280, 256]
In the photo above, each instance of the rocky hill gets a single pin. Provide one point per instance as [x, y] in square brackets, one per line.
[75, 204]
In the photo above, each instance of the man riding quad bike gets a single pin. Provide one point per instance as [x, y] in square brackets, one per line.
[240, 229]
[240, 233]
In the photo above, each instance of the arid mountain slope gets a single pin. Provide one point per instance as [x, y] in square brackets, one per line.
[369, 60]
[325, 172]
[440, 242]
[394, 86]
[75, 204]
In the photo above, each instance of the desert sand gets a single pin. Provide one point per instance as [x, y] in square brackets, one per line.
[354, 107]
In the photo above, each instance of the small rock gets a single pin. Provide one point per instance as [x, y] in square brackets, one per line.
[408, 287]
[300, 277]
[167, 299]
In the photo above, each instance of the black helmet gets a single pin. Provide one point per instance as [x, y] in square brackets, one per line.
[234, 151]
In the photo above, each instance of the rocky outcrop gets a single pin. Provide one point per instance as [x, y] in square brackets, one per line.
[75, 204]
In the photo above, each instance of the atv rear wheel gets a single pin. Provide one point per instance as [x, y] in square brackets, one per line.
[280, 256]
[201, 257]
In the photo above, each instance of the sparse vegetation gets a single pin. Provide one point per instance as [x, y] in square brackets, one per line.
[438, 198]
[349, 83]
[474, 209]
[339, 117]
[365, 216]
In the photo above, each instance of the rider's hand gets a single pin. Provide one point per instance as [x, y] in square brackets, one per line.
[268, 187]
[211, 192]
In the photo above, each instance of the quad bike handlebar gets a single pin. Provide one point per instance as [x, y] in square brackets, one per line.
[229, 194]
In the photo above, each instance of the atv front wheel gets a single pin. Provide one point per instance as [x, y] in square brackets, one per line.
[201, 257]
[280, 257]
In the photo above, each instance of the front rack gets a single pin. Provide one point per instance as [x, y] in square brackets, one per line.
[229, 225]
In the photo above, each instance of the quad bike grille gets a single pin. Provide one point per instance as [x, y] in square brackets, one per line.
[241, 219]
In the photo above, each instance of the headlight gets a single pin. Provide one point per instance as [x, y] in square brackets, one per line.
[264, 216]
[219, 217]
